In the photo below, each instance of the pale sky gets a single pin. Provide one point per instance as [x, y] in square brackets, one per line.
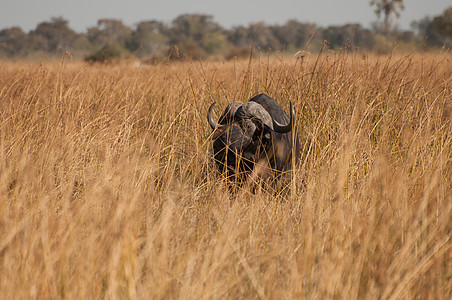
[82, 14]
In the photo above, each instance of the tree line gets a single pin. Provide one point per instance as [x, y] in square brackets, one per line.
[197, 36]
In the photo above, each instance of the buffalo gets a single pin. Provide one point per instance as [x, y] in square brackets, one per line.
[255, 137]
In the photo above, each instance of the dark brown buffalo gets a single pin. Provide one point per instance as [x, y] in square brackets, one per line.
[253, 137]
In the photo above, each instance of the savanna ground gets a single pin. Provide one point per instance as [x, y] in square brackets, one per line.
[108, 189]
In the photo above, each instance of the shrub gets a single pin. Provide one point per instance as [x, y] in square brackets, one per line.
[108, 53]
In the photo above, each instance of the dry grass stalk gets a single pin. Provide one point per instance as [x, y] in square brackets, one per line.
[108, 189]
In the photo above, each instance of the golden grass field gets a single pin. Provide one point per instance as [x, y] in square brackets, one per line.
[108, 189]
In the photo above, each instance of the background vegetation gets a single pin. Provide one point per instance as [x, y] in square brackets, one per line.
[199, 36]
[108, 189]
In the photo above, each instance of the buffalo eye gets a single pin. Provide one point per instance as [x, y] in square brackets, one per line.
[262, 132]
[248, 127]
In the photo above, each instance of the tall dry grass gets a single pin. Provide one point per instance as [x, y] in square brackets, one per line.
[108, 189]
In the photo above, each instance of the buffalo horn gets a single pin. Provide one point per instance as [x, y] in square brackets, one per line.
[285, 128]
[212, 122]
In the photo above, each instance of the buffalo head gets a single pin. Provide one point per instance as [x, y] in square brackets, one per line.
[255, 136]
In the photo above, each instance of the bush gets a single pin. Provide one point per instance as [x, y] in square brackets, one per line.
[108, 53]
[187, 50]
[238, 52]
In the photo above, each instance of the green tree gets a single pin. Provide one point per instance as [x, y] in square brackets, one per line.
[240, 37]
[421, 26]
[150, 38]
[264, 38]
[438, 30]
[192, 27]
[13, 42]
[215, 43]
[388, 8]
[259, 34]
[53, 37]
[349, 35]
[441, 28]
[195, 36]
[110, 39]
[294, 35]
[109, 31]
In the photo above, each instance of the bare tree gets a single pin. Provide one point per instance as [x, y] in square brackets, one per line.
[387, 7]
